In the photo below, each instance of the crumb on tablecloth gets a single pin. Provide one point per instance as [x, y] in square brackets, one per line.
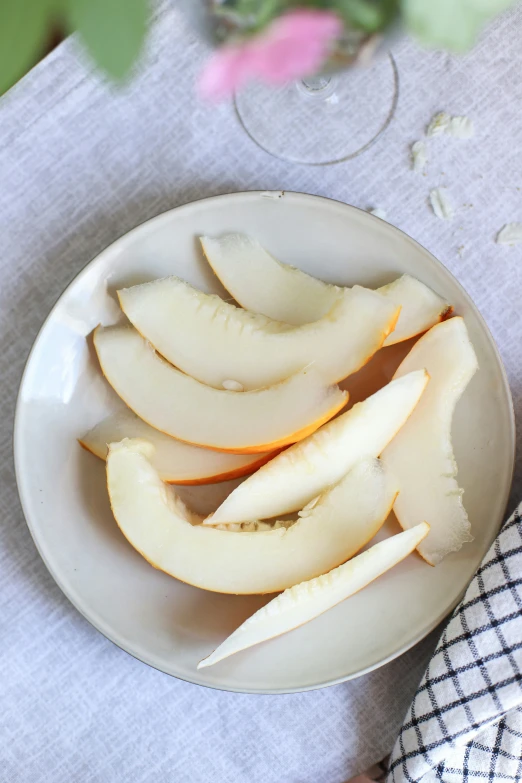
[510, 234]
[441, 204]
[419, 157]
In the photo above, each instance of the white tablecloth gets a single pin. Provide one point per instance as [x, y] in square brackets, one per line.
[82, 163]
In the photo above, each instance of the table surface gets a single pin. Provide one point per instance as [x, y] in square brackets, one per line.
[81, 163]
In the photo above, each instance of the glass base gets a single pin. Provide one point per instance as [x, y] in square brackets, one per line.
[324, 120]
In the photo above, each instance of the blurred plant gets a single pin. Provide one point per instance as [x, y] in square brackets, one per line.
[295, 44]
[253, 15]
[448, 24]
[266, 39]
[113, 31]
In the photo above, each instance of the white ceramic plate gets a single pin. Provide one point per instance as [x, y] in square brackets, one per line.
[170, 625]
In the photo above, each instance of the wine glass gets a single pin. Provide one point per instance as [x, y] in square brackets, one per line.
[322, 120]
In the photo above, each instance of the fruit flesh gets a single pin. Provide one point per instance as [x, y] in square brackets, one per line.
[300, 473]
[421, 307]
[179, 406]
[176, 462]
[421, 456]
[159, 526]
[264, 285]
[306, 601]
[214, 341]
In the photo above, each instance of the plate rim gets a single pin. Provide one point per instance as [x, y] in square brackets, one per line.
[148, 224]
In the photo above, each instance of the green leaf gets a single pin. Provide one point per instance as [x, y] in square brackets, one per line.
[267, 11]
[450, 24]
[250, 15]
[24, 25]
[491, 8]
[365, 15]
[112, 30]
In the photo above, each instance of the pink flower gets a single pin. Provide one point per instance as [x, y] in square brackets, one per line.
[295, 45]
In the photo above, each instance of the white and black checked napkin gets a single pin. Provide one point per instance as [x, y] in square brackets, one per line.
[465, 721]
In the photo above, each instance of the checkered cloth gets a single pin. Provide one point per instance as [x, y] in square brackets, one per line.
[465, 722]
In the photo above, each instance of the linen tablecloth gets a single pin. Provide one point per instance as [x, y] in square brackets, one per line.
[80, 164]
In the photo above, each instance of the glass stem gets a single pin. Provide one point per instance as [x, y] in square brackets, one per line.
[317, 87]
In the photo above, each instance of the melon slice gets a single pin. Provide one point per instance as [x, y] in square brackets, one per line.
[303, 602]
[421, 456]
[300, 473]
[215, 341]
[264, 285]
[155, 521]
[260, 283]
[179, 406]
[421, 307]
[175, 461]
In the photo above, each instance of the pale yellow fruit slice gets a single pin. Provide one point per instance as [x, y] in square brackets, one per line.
[421, 456]
[175, 461]
[300, 473]
[264, 285]
[421, 307]
[215, 341]
[155, 521]
[306, 601]
[179, 406]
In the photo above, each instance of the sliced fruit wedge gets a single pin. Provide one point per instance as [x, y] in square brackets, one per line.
[175, 461]
[300, 473]
[421, 456]
[179, 406]
[216, 342]
[156, 522]
[264, 285]
[302, 603]
[421, 307]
